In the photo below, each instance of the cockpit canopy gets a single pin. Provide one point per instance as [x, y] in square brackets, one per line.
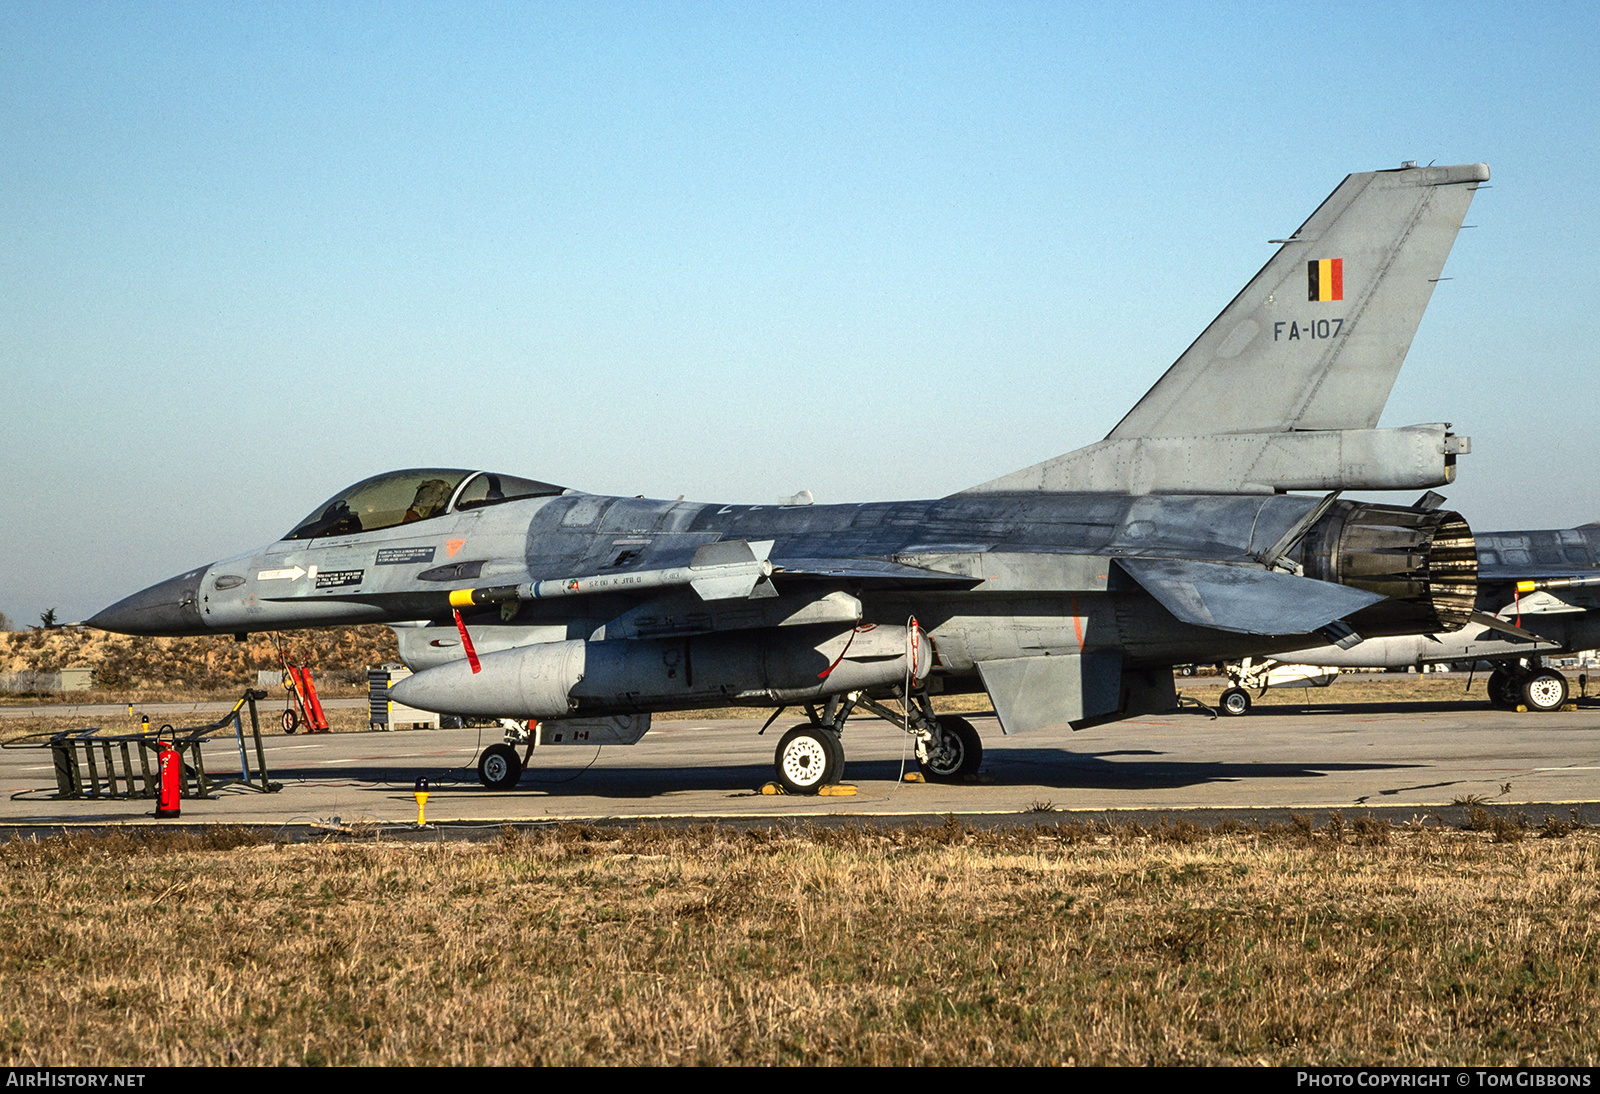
[403, 497]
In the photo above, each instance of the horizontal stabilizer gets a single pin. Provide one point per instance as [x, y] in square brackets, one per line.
[1245, 600]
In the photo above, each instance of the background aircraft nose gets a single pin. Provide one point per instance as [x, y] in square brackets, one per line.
[168, 608]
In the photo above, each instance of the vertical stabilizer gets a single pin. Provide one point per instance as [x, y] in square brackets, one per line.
[1315, 340]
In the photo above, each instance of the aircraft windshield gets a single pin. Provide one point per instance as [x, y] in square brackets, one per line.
[382, 501]
[487, 488]
[402, 497]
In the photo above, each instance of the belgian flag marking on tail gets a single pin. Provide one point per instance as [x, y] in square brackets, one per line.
[1325, 279]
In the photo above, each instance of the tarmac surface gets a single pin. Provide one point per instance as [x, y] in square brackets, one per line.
[1400, 759]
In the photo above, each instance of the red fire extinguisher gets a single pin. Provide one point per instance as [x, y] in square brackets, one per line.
[169, 791]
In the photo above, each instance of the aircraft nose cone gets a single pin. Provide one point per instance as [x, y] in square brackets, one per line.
[168, 608]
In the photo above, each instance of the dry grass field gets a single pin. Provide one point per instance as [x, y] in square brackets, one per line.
[1353, 943]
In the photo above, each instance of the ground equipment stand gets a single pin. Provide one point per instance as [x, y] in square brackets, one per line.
[90, 764]
[307, 707]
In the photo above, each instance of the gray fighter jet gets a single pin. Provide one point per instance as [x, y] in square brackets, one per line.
[1066, 590]
[1538, 597]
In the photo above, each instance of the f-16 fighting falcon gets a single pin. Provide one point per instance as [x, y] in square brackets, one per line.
[1066, 590]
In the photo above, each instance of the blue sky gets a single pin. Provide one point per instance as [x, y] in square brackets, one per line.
[253, 254]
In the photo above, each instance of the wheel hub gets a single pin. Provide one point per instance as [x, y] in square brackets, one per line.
[804, 761]
[944, 753]
[1544, 691]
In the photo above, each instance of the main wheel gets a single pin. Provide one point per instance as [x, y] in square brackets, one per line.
[291, 720]
[1234, 702]
[499, 768]
[955, 752]
[807, 759]
[1505, 689]
[1544, 690]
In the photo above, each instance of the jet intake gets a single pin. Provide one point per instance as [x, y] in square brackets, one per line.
[574, 677]
[1426, 563]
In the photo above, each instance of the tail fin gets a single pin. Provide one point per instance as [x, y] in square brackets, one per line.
[1315, 340]
[1313, 343]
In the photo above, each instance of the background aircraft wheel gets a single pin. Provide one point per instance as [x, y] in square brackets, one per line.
[1234, 702]
[806, 760]
[1544, 690]
[1504, 690]
[954, 753]
[499, 768]
[291, 720]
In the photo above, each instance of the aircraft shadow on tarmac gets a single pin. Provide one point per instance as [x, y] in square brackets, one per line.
[1262, 710]
[1395, 706]
[1057, 769]
[1049, 768]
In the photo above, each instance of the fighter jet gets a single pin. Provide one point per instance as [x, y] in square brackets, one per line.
[1066, 591]
[1538, 597]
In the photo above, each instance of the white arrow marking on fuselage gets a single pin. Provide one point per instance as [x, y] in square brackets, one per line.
[278, 575]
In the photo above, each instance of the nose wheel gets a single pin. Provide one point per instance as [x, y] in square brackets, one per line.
[499, 768]
[1234, 702]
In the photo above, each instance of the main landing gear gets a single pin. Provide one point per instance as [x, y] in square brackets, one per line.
[811, 756]
[1527, 685]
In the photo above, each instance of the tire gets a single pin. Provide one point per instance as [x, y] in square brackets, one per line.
[1234, 702]
[291, 720]
[499, 768]
[836, 743]
[1545, 690]
[1504, 690]
[955, 754]
[807, 759]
